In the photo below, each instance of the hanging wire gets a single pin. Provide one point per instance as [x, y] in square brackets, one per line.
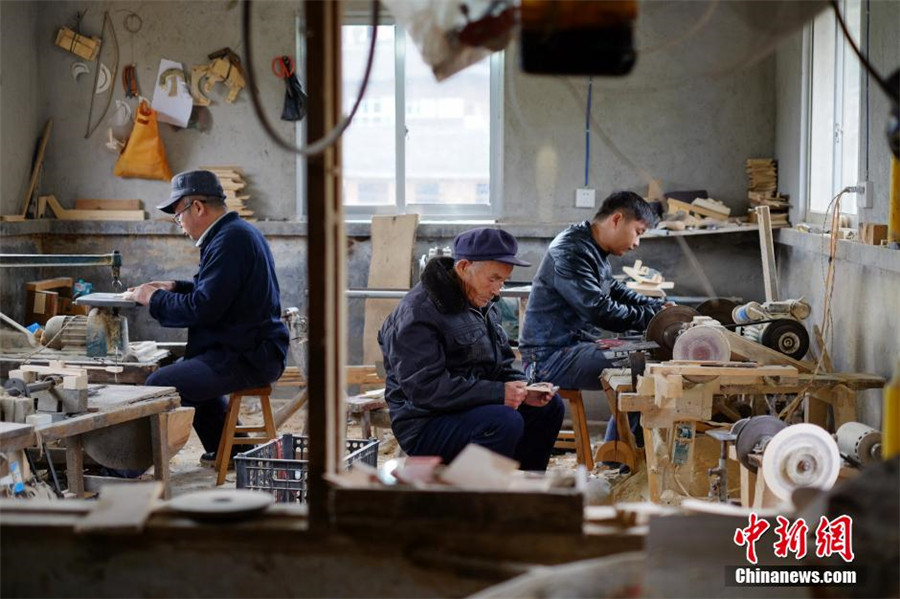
[332, 136]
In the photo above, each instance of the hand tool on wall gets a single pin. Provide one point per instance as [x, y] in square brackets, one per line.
[91, 124]
[132, 23]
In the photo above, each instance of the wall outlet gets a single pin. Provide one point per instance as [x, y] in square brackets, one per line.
[864, 198]
[584, 197]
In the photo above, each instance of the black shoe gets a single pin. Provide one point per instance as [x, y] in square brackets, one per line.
[208, 459]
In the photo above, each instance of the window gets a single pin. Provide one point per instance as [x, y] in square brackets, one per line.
[417, 145]
[833, 109]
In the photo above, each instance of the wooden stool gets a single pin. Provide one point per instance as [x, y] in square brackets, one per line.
[232, 428]
[579, 425]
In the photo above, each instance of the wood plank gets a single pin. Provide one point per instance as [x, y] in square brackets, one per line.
[755, 352]
[122, 508]
[159, 444]
[767, 248]
[44, 284]
[64, 214]
[37, 166]
[75, 464]
[393, 239]
[98, 204]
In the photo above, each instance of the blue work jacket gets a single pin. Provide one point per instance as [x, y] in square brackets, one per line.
[441, 354]
[574, 294]
[233, 304]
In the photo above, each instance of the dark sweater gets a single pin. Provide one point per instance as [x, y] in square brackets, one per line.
[233, 304]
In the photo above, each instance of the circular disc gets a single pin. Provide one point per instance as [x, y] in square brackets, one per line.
[125, 446]
[802, 455]
[749, 432]
[786, 336]
[665, 327]
[704, 343]
[718, 308]
[222, 504]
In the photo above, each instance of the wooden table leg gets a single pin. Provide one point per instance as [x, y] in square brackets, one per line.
[75, 465]
[159, 441]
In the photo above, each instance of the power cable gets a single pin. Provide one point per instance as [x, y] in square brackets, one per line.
[330, 138]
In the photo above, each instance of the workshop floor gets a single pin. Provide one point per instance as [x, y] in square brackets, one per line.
[187, 474]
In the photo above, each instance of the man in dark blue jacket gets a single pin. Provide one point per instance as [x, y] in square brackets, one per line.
[232, 308]
[574, 294]
[450, 379]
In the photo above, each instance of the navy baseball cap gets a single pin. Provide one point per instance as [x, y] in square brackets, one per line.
[192, 183]
[479, 245]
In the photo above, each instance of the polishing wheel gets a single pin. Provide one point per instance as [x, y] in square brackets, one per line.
[665, 327]
[802, 455]
[787, 336]
[751, 432]
[704, 343]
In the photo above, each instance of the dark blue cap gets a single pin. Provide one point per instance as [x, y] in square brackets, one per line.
[192, 183]
[479, 245]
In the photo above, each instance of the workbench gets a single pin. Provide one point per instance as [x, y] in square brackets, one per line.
[133, 373]
[108, 405]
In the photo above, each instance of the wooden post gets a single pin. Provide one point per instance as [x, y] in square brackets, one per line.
[326, 258]
[767, 247]
[75, 465]
[159, 441]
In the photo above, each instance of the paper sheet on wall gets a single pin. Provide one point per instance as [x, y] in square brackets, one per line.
[172, 109]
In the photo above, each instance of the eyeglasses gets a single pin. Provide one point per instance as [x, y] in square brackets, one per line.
[176, 218]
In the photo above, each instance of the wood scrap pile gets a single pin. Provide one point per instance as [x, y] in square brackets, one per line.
[701, 213]
[232, 180]
[762, 190]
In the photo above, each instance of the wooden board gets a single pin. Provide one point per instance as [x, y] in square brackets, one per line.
[92, 204]
[36, 168]
[122, 508]
[393, 238]
[64, 214]
[767, 248]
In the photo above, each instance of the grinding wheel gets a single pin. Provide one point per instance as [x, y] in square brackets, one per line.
[749, 432]
[665, 327]
[786, 336]
[704, 343]
[802, 455]
[719, 309]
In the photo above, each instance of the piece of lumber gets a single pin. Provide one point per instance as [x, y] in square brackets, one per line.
[44, 284]
[393, 238]
[122, 508]
[83, 46]
[676, 205]
[64, 214]
[95, 204]
[767, 248]
[750, 350]
[37, 166]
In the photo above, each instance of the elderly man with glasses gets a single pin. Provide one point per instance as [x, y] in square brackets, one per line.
[231, 308]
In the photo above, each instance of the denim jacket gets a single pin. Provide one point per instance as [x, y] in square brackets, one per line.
[573, 293]
[441, 354]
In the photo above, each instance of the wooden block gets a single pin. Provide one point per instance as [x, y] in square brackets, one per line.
[56, 283]
[63, 214]
[90, 204]
[872, 233]
[80, 45]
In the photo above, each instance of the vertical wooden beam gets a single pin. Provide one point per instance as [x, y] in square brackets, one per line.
[326, 257]
[767, 247]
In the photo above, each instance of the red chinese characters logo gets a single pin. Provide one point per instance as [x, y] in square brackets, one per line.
[835, 536]
[748, 536]
[791, 537]
[832, 537]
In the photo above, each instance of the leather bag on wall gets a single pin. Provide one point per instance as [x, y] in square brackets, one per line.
[144, 156]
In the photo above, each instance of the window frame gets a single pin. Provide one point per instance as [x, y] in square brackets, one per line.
[841, 53]
[401, 205]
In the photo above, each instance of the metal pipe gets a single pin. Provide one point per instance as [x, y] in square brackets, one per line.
[36, 260]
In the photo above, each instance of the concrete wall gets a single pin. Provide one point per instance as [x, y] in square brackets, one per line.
[38, 74]
[866, 299]
[689, 114]
[22, 115]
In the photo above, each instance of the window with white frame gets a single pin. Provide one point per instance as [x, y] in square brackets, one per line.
[418, 145]
[833, 110]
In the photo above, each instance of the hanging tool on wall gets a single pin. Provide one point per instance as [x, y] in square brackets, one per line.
[132, 23]
[108, 29]
[294, 96]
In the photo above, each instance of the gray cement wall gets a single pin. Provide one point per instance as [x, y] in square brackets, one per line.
[38, 84]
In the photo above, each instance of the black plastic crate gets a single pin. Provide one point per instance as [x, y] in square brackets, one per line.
[279, 467]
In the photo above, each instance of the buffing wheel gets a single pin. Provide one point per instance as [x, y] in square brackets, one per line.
[749, 432]
[665, 327]
[802, 455]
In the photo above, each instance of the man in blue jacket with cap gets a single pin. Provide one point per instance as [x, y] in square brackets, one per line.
[450, 379]
[231, 308]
